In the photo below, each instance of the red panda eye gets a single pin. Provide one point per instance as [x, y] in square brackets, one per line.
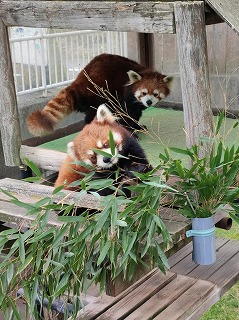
[144, 93]
[106, 145]
[156, 94]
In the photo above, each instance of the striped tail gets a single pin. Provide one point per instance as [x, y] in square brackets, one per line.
[42, 122]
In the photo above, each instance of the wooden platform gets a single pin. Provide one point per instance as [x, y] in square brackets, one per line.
[186, 292]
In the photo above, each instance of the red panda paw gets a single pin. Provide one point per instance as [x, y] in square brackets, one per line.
[40, 123]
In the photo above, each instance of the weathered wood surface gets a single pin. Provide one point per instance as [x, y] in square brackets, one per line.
[184, 293]
[228, 10]
[9, 122]
[43, 158]
[192, 47]
[145, 16]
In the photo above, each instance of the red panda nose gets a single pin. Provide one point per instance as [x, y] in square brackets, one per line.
[106, 160]
[149, 102]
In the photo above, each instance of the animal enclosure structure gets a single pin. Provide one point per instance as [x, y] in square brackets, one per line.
[185, 18]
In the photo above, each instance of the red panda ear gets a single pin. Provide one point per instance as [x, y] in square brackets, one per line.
[104, 114]
[168, 80]
[71, 150]
[133, 77]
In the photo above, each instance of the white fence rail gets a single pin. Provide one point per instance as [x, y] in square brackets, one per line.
[43, 60]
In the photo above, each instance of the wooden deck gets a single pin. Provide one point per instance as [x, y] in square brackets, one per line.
[184, 293]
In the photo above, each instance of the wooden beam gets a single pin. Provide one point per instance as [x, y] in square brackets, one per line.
[9, 120]
[43, 158]
[193, 63]
[228, 10]
[149, 17]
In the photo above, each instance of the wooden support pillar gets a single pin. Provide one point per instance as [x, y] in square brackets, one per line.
[9, 123]
[193, 63]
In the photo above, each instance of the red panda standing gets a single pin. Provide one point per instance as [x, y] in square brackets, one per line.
[133, 85]
[96, 136]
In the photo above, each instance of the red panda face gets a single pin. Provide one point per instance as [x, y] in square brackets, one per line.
[96, 136]
[149, 88]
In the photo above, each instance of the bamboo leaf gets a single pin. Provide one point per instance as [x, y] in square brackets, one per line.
[33, 167]
[21, 248]
[103, 252]
[112, 143]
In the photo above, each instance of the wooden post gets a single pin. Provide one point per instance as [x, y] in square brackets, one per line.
[193, 63]
[9, 121]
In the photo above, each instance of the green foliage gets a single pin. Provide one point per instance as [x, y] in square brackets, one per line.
[90, 248]
[205, 183]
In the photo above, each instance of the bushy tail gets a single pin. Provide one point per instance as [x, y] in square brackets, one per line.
[42, 122]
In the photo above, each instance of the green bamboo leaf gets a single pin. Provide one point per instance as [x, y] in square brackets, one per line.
[162, 255]
[219, 122]
[33, 179]
[57, 189]
[33, 167]
[160, 185]
[186, 152]
[103, 252]
[21, 248]
[10, 273]
[70, 219]
[235, 124]
[112, 143]
[121, 223]
[23, 204]
[180, 169]
[131, 243]
[102, 153]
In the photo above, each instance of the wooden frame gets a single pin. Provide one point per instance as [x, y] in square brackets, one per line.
[138, 16]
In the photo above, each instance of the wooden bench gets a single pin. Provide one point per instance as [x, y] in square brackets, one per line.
[185, 292]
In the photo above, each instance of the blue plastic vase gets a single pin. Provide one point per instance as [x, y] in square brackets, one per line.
[203, 233]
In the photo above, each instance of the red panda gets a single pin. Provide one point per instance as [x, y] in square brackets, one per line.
[134, 86]
[95, 135]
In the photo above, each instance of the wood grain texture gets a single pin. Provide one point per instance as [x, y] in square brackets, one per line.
[9, 122]
[43, 158]
[145, 16]
[228, 10]
[18, 187]
[192, 48]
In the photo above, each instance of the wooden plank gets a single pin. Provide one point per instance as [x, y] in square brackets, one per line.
[137, 297]
[183, 264]
[43, 158]
[10, 213]
[145, 16]
[162, 299]
[187, 302]
[90, 312]
[224, 253]
[9, 120]
[18, 187]
[192, 48]
[228, 10]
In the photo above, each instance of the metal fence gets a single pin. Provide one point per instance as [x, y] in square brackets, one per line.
[44, 58]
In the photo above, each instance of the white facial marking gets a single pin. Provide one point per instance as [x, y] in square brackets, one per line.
[137, 93]
[71, 151]
[162, 95]
[99, 144]
[102, 164]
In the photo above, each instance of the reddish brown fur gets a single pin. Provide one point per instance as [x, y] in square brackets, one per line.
[69, 173]
[108, 72]
[84, 141]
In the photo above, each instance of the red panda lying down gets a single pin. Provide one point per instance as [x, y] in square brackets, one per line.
[96, 136]
[135, 87]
